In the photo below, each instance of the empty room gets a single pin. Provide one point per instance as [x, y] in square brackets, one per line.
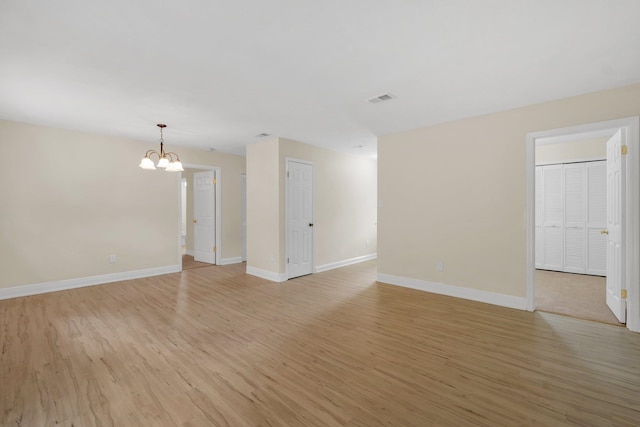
[357, 213]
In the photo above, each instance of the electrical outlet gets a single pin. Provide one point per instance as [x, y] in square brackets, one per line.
[112, 259]
[366, 244]
[440, 266]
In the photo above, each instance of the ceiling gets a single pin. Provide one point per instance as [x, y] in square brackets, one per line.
[218, 73]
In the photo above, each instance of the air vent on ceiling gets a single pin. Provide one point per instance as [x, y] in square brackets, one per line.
[380, 98]
[262, 135]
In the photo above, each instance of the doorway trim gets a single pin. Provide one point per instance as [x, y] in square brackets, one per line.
[631, 126]
[243, 215]
[218, 188]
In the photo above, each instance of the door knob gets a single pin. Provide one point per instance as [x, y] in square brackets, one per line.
[310, 224]
[604, 231]
[195, 221]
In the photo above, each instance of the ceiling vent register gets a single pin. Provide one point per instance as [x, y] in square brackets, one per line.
[380, 98]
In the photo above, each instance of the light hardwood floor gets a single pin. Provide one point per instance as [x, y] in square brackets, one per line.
[188, 263]
[215, 347]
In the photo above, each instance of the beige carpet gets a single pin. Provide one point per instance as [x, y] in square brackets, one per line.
[575, 295]
[188, 263]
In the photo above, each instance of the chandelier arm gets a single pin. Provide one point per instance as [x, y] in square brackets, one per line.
[151, 152]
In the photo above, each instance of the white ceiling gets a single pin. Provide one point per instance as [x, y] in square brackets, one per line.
[221, 72]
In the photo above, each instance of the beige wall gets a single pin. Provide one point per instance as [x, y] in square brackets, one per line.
[345, 197]
[455, 192]
[232, 168]
[263, 211]
[573, 151]
[345, 194]
[70, 199]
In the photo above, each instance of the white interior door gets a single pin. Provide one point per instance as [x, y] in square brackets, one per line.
[299, 219]
[204, 217]
[615, 226]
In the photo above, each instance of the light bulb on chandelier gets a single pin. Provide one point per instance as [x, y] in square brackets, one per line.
[168, 161]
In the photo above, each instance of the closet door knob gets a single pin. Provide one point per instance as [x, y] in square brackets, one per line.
[604, 231]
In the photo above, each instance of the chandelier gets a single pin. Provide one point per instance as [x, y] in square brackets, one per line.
[166, 160]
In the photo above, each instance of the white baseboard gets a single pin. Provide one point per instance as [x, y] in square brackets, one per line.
[269, 275]
[277, 277]
[344, 263]
[455, 291]
[227, 261]
[61, 285]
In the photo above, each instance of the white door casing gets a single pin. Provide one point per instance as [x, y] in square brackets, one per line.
[615, 226]
[204, 226]
[299, 219]
[244, 217]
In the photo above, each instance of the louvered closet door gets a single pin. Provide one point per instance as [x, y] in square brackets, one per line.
[552, 213]
[596, 247]
[539, 218]
[574, 218]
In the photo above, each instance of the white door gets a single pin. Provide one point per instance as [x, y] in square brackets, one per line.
[615, 226]
[299, 219]
[204, 209]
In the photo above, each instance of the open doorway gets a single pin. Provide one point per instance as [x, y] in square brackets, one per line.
[581, 264]
[200, 216]
[571, 209]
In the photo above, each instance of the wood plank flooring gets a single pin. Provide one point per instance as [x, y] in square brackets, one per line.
[215, 347]
[189, 263]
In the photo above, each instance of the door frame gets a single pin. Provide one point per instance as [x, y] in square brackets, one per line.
[218, 219]
[631, 126]
[243, 214]
[286, 216]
